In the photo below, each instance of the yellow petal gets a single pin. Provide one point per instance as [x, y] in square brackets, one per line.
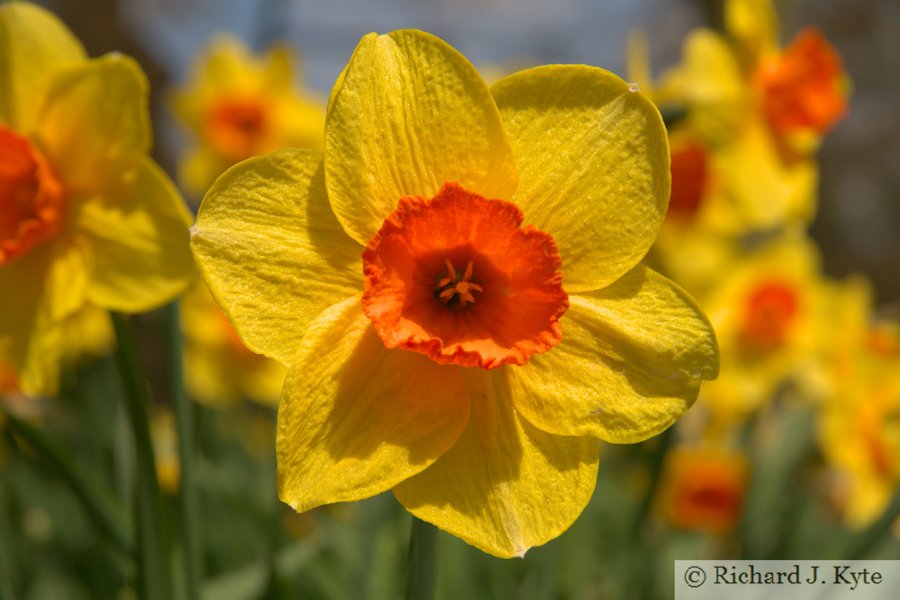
[33, 43]
[278, 69]
[754, 25]
[227, 64]
[37, 292]
[94, 125]
[505, 486]
[88, 334]
[593, 163]
[218, 368]
[629, 364]
[411, 114]
[763, 190]
[139, 241]
[710, 83]
[355, 418]
[271, 250]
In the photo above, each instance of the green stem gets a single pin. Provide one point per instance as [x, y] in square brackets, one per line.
[6, 578]
[190, 522]
[663, 442]
[645, 584]
[100, 506]
[877, 532]
[153, 578]
[422, 551]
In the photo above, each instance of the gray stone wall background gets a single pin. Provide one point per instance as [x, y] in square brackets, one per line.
[858, 226]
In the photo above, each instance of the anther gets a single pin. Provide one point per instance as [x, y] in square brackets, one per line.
[453, 285]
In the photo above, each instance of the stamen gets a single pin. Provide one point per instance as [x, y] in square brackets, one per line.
[449, 287]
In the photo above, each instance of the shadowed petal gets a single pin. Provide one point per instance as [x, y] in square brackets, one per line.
[356, 419]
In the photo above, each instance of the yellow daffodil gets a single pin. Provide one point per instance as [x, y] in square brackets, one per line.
[859, 431]
[85, 214]
[219, 370]
[756, 112]
[438, 348]
[769, 317]
[798, 91]
[721, 195]
[703, 488]
[238, 105]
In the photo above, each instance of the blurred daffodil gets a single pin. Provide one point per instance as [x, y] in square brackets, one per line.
[703, 488]
[799, 91]
[757, 112]
[85, 215]
[859, 431]
[239, 105]
[219, 369]
[770, 319]
[466, 362]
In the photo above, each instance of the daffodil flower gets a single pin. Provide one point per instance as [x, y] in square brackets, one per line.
[703, 487]
[859, 432]
[754, 114]
[771, 317]
[237, 105]
[85, 215]
[437, 347]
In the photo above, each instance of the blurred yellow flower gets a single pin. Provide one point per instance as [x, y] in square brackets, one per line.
[219, 370]
[756, 113]
[703, 488]
[859, 430]
[452, 366]
[770, 319]
[85, 215]
[238, 105]
[798, 91]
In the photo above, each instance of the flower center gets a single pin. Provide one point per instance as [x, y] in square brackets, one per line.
[458, 279]
[31, 197]
[769, 312]
[235, 127]
[455, 288]
[802, 87]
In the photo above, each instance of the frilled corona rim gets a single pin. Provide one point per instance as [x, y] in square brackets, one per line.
[458, 279]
